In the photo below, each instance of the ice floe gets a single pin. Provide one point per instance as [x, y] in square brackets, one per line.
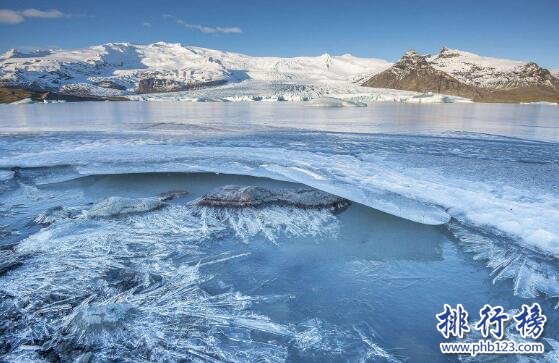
[114, 206]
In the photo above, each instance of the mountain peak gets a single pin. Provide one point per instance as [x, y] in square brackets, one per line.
[165, 44]
[446, 52]
[411, 59]
[14, 53]
[410, 53]
[8, 54]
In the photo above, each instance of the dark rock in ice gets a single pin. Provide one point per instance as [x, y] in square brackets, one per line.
[9, 260]
[57, 213]
[237, 196]
[106, 83]
[114, 206]
[251, 196]
[173, 194]
[157, 84]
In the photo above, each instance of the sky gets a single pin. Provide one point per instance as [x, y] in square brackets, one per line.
[523, 30]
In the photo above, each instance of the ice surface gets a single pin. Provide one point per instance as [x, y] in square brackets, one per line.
[84, 281]
[543, 103]
[219, 283]
[379, 171]
[334, 102]
[132, 299]
[6, 175]
[132, 286]
[57, 213]
[511, 334]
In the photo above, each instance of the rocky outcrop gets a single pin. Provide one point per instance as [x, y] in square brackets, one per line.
[11, 95]
[158, 85]
[464, 74]
[235, 196]
[173, 194]
[110, 84]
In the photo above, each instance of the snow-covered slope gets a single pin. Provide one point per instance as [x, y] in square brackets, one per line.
[488, 72]
[122, 68]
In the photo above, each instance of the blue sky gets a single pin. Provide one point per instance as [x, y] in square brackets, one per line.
[525, 30]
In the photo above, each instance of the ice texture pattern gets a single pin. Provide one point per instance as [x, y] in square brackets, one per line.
[91, 272]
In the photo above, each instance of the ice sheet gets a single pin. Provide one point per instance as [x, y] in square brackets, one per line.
[424, 179]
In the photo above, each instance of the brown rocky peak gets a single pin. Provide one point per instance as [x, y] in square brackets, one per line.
[411, 60]
[447, 53]
[411, 56]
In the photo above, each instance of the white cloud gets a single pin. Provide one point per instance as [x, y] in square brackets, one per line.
[8, 16]
[204, 28]
[147, 24]
[48, 14]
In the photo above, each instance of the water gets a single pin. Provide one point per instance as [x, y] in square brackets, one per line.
[277, 283]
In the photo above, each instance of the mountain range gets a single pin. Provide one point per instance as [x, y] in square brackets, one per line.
[120, 71]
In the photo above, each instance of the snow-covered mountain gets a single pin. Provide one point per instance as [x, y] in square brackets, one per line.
[173, 71]
[469, 75]
[489, 72]
[117, 69]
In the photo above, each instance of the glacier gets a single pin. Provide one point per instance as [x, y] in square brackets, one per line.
[173, 72]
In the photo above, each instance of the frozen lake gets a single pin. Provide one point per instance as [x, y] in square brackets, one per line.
[534, 122]
[453, 203]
